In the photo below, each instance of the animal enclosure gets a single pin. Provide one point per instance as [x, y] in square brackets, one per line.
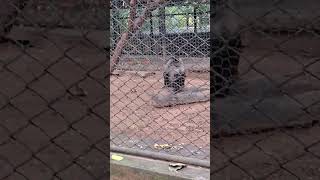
[264, 64]
[55, 94]
[169, 29]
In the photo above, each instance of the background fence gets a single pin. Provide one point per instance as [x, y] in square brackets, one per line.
[266, 90]
[276, 81]
[53, 90]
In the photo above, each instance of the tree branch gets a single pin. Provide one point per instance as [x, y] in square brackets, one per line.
[133, 26]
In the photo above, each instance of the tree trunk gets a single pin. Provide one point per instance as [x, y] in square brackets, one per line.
[133, 26]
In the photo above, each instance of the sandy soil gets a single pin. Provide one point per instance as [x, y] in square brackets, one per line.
[133, 115]
[276, 60]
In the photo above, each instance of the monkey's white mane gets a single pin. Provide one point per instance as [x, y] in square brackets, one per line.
[172, 69]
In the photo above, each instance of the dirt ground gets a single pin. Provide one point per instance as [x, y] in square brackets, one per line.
[267, 62]
[37, 110]
[279, 85]
[291, 154]
[132, 115]
[135, 123]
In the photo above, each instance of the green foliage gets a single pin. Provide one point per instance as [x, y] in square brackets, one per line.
[178, 19]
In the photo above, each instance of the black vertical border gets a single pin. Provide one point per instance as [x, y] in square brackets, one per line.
[107, 81]
[212, 122]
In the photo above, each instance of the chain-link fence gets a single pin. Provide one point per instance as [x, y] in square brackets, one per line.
[53, 93]
[264, 86]
[265, 78]
[155, 105]
[265, 66]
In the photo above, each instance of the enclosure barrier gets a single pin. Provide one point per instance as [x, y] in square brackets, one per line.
[53, 120]
[265, 89]
[146, 114]
[262, 64]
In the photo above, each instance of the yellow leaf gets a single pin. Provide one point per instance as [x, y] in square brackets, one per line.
[116, 157]
[162, 146]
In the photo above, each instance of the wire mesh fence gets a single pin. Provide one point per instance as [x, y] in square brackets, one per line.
[264, 66]
[53, 90]
[264, 80]
[160, 84]
[265, 90]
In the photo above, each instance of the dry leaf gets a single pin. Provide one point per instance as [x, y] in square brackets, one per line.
[162, 146]
[176, 166]
[116, 157]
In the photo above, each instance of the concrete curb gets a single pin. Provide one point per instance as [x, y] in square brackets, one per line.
[134, 167]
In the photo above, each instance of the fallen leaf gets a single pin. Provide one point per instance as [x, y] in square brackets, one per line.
[176, 166]
[162, 146]
[116, 157]
[177, 147]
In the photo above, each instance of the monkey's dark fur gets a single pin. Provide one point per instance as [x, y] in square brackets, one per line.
[174, 74]
[225, 64]
[225, 47]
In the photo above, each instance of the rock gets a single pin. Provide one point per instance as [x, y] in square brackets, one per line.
[145, 74]
[167, 98]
